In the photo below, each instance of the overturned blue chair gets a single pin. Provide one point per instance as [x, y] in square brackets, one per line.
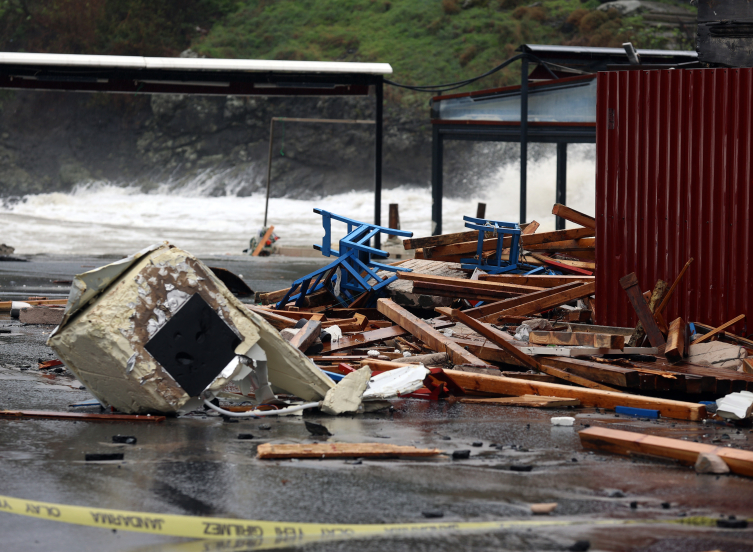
[354, 272]
[493, 263]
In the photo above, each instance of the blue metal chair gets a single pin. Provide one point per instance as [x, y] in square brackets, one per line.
[352, 272]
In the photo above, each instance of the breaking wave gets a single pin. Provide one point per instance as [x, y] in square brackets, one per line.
[105, 218]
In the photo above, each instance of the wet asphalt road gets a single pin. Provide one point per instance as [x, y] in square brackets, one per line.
[195, 465]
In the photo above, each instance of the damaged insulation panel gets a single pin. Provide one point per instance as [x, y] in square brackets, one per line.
[115, 313]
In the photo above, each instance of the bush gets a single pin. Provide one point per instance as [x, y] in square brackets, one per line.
[592, 21]
[450, 7]
[575, 18]
[467, 56]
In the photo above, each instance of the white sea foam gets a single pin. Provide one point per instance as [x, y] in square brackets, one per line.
[101, 218]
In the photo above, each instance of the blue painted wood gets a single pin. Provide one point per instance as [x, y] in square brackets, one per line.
[636, 412]
[353, 258]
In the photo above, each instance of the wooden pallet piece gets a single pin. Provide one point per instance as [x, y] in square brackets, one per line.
[425, 333]
[545, 303]
[617, 376]
[307, 335]
[464, 282]
[626, 442]
[583, 244]
[630, 284]
[270, 451]
[583, 339]
[279, 322]
[541, 281]
[488, 312]
[530, 401]
[567, 213]
[576, 267]
[588, 397]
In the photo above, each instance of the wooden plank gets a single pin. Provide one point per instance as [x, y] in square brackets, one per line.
[707, 336]
[488, 312]
[269, 451]
[592, 328]
[617, 376]
[626, 442]
[80, 416]
[272, 296]
[583, 244]
[466, 248]
[676, 344]
[531, 401]
[460, 292]
[5, 306]
[565, 212]
[747, 343]
[442, 239]
[464, 282]
[307, 335]
[653, 300]
[588, 397]
[280, 322]
[295, 315]
[529, 376]
[425, 333]
[544, 281]
[577, 267]
[504, 341]
[583, 339]
[668, 296]
[364, 339]
[261, 243]
[630, 284]
[545, 303]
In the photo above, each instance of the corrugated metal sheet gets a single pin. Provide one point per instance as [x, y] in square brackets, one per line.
[673, 181]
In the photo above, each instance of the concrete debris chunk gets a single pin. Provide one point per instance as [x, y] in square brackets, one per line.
[717, 354]
[710, 463]
[152, 332]
[346, 396]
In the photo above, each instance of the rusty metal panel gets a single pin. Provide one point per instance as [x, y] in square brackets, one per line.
[673, 181]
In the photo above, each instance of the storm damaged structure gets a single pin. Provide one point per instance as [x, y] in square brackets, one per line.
[152, 332]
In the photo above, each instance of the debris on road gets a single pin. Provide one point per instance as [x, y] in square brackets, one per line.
[269, 451]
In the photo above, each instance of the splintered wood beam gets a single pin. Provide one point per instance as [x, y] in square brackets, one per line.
[578, 267]
[504, 341]
[425, 333]
[676, 344]
[531, 401]
[462, 292]
[630, 284]
[712, 333]
[498, 306]
[565, 212]
[279, 322]
[269, 451]
[534, 281]
[654, 298]
[668, 296]
[490, 243]
[578, 339]
[626, 442]
[583, 244]
[588, 397]
[464, 282]
[443, 239]
[307, 335]
[545, 303]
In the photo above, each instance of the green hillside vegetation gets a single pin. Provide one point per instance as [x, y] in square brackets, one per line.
[426, 41]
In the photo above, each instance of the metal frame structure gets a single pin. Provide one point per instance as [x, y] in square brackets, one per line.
[564, 62]
[203, 77]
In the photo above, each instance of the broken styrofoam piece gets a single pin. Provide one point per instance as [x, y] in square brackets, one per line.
[16, 306]
[399, 381]
[447, 333]
[717, 354]
[335, 333]
[735, 406]
[372, 353]
[710, 463]
[565, 421]
[121, 335]
[347, 395]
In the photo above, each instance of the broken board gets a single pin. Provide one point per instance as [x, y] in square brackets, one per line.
[269, 451]
[532, 401]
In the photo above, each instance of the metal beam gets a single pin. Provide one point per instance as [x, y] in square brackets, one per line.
[437, 165]
[523, 136]
[378, 158]
[561, 181]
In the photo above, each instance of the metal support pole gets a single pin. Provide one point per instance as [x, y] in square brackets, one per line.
[523, 136]
[561, 181]
[378, 160]
[269, 168]
[437, 151]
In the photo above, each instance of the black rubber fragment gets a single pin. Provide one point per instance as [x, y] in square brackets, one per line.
[102, 456]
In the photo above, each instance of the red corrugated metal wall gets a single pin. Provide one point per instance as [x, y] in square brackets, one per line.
[673, 181]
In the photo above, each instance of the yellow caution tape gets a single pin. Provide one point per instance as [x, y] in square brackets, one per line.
[255, 531]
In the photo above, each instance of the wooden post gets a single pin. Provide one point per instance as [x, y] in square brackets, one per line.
[307, 335]
[676, 342]
[394, 221]
[481, 210]
[630, 284]
[654, 299]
